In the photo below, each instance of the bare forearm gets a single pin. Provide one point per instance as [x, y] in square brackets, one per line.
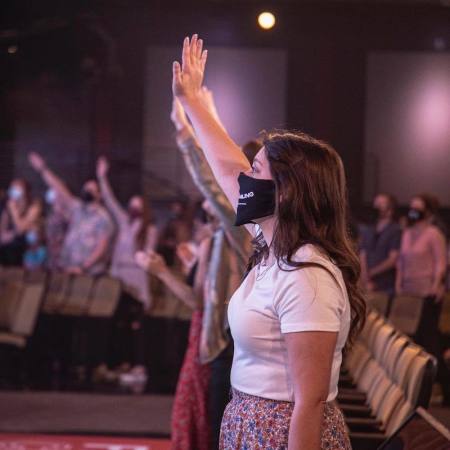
[109, 198]
[96, 255]
[181, 290]
[223, 155]
[384, 266]
[55, 182]
[439, 276]
[305, 427]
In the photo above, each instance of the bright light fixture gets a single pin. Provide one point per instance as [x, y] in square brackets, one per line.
[266, 20]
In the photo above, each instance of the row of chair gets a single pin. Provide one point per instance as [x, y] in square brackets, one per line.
[404, 311]
[23, 297]
[69, 295]
[385, 377]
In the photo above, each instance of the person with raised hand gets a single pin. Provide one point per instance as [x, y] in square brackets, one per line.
[135, 231]
[88, 240]
[300, 303]
[226, 265]
[189, 420]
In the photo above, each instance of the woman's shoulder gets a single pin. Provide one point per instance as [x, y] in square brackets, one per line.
[310, 253]
[320, 283]
[318, 266]
[434, 232]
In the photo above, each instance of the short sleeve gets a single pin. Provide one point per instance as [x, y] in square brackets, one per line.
[104, 225]
[365, 237]
[310, 299]
[395, 239]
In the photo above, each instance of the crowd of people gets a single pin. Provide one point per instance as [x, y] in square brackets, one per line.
[202, 257]
[410, 255]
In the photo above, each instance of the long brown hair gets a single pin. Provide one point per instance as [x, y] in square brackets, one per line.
[311, 208]
[147, 220]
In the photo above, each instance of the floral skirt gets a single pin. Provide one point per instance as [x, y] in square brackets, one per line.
[251, 423]
[190, 424]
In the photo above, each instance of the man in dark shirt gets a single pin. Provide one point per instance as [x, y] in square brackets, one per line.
[380, 244]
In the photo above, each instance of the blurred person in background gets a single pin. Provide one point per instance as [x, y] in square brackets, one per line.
[177, 229]
[56, 226]
[190, 429]
[379, 247]
[422, 262]
[20, 214]
[227, 264]
[35, 257]
[135, 231]
[421, 271]
[434, 217]
[88, 241]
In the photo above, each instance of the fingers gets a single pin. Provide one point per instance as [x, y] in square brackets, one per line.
[193, 49]
[199, 49]
[176, 77]
[186, 54]
[203, 59]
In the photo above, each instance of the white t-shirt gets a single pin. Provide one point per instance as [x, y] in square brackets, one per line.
[271, 302]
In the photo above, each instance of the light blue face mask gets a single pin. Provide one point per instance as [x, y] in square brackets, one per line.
[31, 237]
[50, 196]
[15, 193]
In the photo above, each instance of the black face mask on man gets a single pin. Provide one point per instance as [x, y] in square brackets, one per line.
[256, 199]
[415, 215]
[86, 196]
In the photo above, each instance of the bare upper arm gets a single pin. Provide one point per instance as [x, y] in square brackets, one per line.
[310, 358]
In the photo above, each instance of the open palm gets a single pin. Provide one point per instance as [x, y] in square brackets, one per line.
[188, 78]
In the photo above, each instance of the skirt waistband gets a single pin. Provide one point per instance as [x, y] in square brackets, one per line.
[239, 395]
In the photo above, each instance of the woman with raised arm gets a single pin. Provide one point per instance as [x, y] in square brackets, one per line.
[189, 421]
[135, 231]
[299, 302]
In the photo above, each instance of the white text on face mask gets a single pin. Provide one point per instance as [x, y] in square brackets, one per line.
[247, 195]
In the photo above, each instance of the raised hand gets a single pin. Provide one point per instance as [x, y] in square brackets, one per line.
[186, 254]
[151, 262]
[178, 116]
[102, 167]
[188, 78]
[36, 161]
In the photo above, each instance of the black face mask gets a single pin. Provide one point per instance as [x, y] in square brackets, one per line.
[86, 196]
[415, 215]
[134, 213]
[256, 199]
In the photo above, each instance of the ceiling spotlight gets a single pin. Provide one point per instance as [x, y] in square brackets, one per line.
[266, 20]
[12, 49]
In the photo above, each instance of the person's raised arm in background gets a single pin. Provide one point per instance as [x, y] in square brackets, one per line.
[53, 181]
[108, 196]
[202, 175]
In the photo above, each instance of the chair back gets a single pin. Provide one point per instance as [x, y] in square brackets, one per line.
[28, 309]
[105, 297]
[405, 314]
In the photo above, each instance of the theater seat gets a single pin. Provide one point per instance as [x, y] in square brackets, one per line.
[57, 289]
[405, 313]
[105, 297]
[25, 315]
[79, 295]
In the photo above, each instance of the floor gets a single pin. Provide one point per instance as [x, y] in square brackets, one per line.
[77, 421]
[68, 442]
[56, 412]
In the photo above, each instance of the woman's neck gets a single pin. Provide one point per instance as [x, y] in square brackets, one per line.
[268, 227]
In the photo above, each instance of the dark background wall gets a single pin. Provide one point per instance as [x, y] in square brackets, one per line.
[94, 52]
